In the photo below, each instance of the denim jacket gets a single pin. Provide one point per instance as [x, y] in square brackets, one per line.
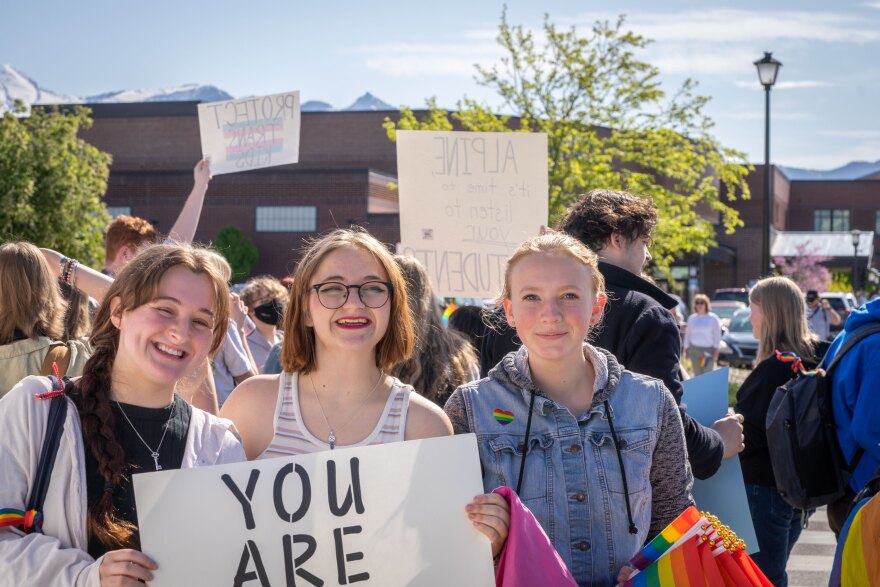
[572, 481]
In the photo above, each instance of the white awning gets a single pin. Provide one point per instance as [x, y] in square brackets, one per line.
[826, 244]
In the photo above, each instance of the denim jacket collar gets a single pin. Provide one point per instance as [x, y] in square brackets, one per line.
[513, 372]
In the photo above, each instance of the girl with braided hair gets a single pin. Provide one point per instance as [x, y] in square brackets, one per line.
[163, 314]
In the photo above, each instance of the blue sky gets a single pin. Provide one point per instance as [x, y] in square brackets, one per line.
[824, 107]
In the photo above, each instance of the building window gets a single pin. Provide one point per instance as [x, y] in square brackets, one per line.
[115, 211]
[286, 219]
[877, 223]
[831, 220]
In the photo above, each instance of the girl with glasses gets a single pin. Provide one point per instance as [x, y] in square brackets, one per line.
[346, 325]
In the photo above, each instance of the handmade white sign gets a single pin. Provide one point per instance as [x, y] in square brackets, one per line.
[384, 515]
[467, 200]
[250, 133]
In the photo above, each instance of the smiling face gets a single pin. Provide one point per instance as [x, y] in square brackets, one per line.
[353, 326]
[164, 339]
[552, 305]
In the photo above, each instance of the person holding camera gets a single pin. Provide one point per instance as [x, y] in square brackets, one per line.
[820, 315]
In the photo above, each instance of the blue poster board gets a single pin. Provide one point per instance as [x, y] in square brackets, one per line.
[723, 494]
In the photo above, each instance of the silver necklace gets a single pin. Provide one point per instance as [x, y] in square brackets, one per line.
[153, 453]
[331, 438]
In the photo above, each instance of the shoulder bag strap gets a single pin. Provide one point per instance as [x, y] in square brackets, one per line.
[54, 429]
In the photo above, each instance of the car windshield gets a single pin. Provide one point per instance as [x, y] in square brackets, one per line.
[741, 323]
[731, 296]
[725, 311]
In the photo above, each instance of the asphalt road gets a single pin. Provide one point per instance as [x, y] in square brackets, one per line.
[813, 554]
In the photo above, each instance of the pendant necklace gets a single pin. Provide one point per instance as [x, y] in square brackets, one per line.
[153, 453]
[331, 438]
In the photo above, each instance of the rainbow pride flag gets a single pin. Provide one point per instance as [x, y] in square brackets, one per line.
[447, 313]
[857, 560]
[684, 526]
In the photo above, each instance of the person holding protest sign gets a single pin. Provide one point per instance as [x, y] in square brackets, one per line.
[347, 323]
[161, 316]
[597, 453]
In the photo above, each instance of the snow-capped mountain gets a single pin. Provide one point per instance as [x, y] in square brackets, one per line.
[15, 85]
[851, 171]
[369, 102]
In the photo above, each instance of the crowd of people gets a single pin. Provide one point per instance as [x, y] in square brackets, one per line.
[580, 355]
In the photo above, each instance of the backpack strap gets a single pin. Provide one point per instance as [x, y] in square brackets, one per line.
[59, 353]
[31, 519]
[852, 340]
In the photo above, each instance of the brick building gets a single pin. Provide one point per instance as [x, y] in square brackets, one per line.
[347, 162]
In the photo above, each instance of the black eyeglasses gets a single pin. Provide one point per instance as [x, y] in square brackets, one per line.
[333, 294]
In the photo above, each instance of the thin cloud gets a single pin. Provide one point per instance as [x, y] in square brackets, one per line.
[875, 5]
[852, 134]
[758, 114]
[785, 85]
[456, 58]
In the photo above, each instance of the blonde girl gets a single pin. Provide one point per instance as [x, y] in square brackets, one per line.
[594, 451]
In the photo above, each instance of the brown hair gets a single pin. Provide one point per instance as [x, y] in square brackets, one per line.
[702, 298]
[443, 359]
[298, 348]
[30, 299]
[784, 327]
[129, 231]
[598, 214]
[137, 284]
[257, 287]
[555, 243]
[77, 320]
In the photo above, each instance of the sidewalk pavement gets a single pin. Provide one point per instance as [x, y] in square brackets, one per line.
[810, 562]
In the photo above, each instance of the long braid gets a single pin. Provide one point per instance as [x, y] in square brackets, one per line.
[91, 394]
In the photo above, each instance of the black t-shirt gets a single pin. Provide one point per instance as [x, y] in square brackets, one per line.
[150, 423]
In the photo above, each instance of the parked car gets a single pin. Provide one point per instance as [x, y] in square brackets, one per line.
[739, 347]
[725, 311]
[731, 294]
[842, 303]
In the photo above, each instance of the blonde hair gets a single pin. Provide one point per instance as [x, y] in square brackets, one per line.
[555, 243]
[298, 351]
[30, 298]
[784, 326]
[702, 298]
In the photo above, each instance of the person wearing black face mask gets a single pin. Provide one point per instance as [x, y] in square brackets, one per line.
[265, 298]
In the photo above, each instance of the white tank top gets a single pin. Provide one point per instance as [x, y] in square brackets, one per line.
[293, 438]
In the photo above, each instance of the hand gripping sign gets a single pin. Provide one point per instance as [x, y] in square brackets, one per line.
[384, 515]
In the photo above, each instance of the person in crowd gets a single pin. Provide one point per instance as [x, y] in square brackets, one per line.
[596, 452]
[32, 318]
[162, 315]
[779, 323]
[347, 324]
[702, 339]
[264, 297]
[442, 359]
[233, 362]
[820, 315]
[638, 327]
[126, 235]
[468, 320]
[856, 402]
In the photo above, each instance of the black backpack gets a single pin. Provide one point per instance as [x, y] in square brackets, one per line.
[808, 465]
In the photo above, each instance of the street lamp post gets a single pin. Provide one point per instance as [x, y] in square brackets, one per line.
[856, 236]
[768, 68]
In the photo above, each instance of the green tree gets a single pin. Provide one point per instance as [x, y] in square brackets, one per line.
[609, 124]
[52, 183]
[240, 252]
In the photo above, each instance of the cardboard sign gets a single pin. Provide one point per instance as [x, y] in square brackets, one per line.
[724, 493]
[467, 200]
[383, 515]
[251, 133]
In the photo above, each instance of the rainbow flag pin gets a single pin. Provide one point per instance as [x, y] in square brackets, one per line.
[502, 416]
